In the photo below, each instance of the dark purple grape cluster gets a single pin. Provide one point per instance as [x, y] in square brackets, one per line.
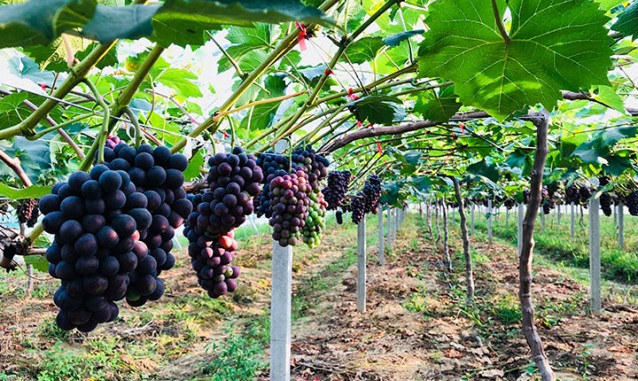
[234, 180]
[366, 201]
[272, 165]
[632, 203]
[315, 165]
[94, 248]
[27, 211]
[339, 217]
[572, 194]
[509, 203]
[584, 194]
[606, 203]
[372, 193]
[335, 192]
[358, 208]
[159, 179]
[211, 254]
[548, 205]
[290, 201]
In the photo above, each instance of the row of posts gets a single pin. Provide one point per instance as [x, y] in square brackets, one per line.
[594, 239]
[281, 296]
[280, 318]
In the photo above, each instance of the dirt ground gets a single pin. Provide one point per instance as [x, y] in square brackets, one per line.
[417, 325]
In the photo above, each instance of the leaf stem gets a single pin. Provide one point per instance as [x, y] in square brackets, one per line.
[499, 23]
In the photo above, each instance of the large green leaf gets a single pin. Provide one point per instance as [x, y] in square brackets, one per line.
[554, 45]
[183, 21]
[365, 49]
[35, 22]
[180, 80]
[437, 106]
[601, 144]
[39, 22]
[378, 109]
[396, 39]
[627, 22]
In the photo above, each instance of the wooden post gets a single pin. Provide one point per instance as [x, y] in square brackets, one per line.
[542, 213]
[489, 221]
[280, 312]
[573, 219]
[615, 217]
[361, 266]
[521, 217]
[381, 239]
[594, 254]
[397, 222]
[621, 225]
[507, 216]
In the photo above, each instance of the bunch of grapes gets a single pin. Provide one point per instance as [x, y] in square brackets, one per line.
[315, 222]
[234, 179]
[315, 165]
[584, 194]
[272, 165]
[158, 179]
[572, 194]
[509, 203]
[95, 246]
[211, 254]
[27, 211]
[290, 201]
[606, 203]
[632, 203]
[358, 208]
[335, 192]
[548, 205]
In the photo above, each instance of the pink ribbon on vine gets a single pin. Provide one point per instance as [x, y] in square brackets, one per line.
[303, 36]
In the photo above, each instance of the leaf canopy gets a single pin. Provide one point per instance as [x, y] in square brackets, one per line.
[554, 45]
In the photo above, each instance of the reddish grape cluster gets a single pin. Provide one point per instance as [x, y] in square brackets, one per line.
[289, 198]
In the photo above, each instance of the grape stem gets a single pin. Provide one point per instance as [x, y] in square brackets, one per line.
[104, 132]
[14, 164]
[285, 46]
[136, 123]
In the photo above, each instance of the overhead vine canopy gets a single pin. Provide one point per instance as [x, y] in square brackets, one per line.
[415, 91]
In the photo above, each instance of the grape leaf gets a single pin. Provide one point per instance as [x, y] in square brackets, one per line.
[627, 22]
[195, 164]
[183, 21]
[602, 142]
[437, 106]
[365, 49]
[555, 45]
[34, 191]
[378, 109]
[39, 22]
[180, 81]
[396, 39]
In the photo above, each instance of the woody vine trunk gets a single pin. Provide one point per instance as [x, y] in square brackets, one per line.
[469, 272]
[541, 121]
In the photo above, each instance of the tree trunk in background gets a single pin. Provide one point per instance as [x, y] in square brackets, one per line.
[446, 248]
[469, 273]
[541, 121]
